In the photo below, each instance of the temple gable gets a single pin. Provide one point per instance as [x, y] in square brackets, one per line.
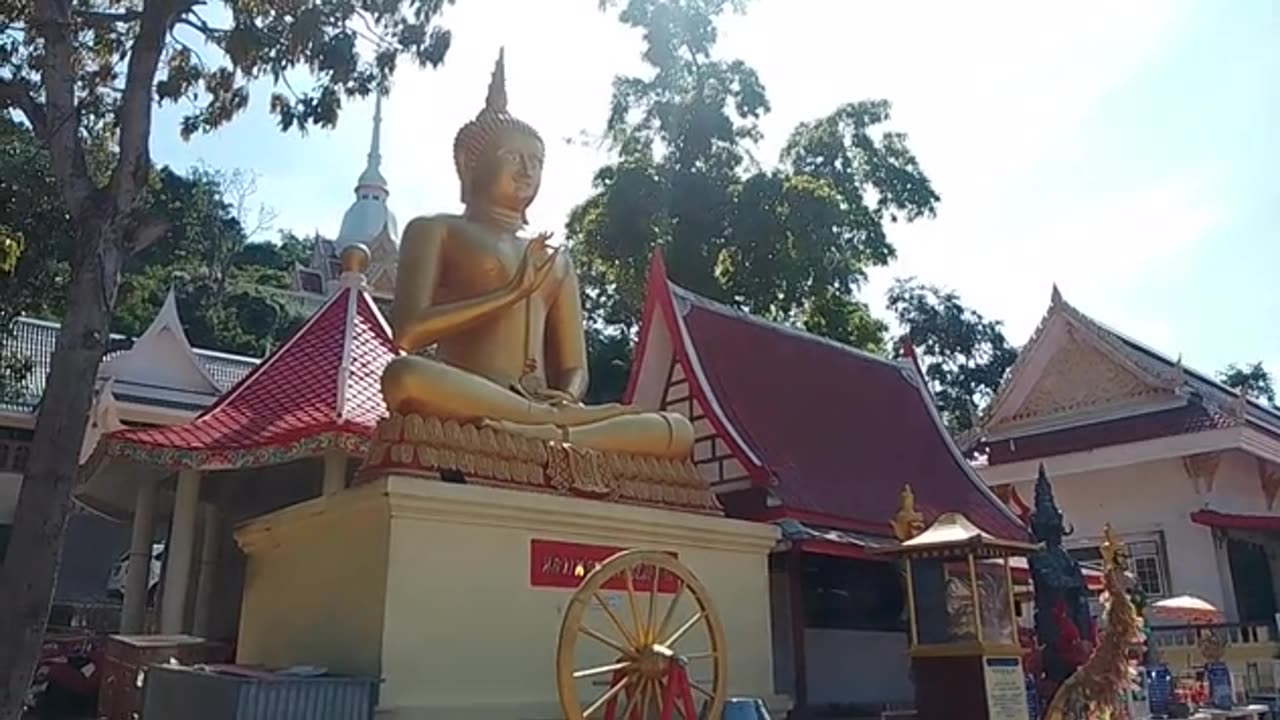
[1065, 372]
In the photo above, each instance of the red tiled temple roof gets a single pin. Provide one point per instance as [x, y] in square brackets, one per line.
[831, 431]
[1162, 423]
[319, 389]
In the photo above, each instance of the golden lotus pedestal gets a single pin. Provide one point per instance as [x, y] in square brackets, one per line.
[453, 593]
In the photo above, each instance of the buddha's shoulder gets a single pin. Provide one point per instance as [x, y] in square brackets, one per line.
[433, 224]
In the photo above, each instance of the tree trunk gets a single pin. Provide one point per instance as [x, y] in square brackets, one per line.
[44, 503]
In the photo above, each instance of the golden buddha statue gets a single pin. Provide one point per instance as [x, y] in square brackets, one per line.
[504, 311]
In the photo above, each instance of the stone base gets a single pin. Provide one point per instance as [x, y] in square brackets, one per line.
[426, 446]
[431, 586]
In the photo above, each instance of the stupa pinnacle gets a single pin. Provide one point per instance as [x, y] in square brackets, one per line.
[369, 220]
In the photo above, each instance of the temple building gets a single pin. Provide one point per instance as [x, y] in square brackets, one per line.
[1184, 467]
[818, 438]
[153, 380]
[368, 221]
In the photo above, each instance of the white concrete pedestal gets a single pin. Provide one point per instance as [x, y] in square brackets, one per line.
[429, 585]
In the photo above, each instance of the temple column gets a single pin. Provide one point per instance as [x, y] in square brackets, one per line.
[335, 471]
[209, 545]
[138, 572]
[182, 536]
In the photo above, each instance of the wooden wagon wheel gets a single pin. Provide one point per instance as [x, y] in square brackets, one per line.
[641, 640]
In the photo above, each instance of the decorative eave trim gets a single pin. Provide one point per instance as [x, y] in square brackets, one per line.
[1111, 456]
[350, 440]
[1057, 421]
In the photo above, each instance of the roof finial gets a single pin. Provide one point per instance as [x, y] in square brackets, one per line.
[496, 101]
[1055, 297]
[372, 175]
[1179, 373]
[375, 144]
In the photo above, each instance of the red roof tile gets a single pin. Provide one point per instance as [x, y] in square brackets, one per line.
[323, 380]
[1163, 423]
[836, 432]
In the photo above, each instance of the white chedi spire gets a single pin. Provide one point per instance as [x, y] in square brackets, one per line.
[369, 220]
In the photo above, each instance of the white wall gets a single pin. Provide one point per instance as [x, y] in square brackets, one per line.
[1158, 496]
[857, 666]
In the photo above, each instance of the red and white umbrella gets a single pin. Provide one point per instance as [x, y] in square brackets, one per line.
[1186, 609]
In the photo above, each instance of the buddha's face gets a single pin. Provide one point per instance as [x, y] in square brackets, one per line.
[512, 171]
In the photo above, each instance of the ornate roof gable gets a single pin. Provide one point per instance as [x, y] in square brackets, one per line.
[1071, 368]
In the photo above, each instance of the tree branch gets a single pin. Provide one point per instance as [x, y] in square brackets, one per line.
[134, 116]
[148, 230]
[105, 19]
[61, 126]
[17, 95]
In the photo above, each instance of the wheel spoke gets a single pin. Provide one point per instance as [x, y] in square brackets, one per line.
[699, 688]
[651, 632]
[600, 702]
[671, 612]
[686, 627]
[602, 670]
[626, 634]
[631, 601]
[698, 655]
[596, 634]
[631, 701]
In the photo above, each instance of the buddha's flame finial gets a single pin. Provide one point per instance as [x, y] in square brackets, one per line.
[496, 100]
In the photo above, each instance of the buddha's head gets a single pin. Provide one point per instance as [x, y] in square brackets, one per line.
[499, 157]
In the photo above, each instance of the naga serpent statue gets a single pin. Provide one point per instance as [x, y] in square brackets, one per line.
[1095, 691]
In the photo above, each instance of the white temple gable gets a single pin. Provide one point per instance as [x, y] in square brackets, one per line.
[161, 358]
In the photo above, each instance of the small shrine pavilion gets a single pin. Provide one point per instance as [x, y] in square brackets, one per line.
[819, 438]
[286, 432]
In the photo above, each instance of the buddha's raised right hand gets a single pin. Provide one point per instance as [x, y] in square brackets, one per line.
[534, 270]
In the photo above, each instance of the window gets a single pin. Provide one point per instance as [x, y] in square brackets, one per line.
[846, 594]
[1147, 562]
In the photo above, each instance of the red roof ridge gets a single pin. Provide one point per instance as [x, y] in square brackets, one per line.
[730, 311]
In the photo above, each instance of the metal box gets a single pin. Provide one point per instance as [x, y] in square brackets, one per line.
[195, 694]
[125, 656]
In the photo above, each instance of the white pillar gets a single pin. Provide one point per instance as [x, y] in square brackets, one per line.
[335, 471]
[208, 568]
[138, 572]
[182, 536]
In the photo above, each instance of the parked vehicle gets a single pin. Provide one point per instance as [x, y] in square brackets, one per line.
[120, 570]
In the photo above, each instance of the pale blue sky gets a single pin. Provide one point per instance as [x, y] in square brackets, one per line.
[1128, 151]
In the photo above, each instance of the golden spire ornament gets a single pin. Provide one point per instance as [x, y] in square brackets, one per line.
[908, 522]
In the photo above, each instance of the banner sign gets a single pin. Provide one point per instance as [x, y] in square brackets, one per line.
[557, 564]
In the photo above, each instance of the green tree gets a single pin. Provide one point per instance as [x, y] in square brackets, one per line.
[964, 355]
[1252, 378]
[81, 69]
[791, 243]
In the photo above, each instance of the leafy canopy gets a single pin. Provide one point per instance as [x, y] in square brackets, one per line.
[965, 356]
[1251, 378]
[791, 243]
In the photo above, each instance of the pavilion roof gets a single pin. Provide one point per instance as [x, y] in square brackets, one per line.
[319, 389]
[829, 433]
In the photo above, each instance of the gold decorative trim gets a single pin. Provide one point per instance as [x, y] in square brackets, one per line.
[426, 446]
[1202, 469]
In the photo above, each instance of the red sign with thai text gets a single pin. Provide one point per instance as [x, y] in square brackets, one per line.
[565, 565]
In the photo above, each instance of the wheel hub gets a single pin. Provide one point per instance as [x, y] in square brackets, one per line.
[652, 662]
